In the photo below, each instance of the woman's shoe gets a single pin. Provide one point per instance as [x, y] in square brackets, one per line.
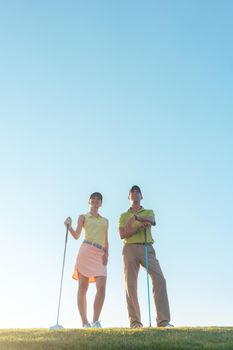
[87, 325]
[96, 324]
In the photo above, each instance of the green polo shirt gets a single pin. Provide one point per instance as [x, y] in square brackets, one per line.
[139, 235]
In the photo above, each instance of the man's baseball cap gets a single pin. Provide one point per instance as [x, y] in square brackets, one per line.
[135, 187]
[96, 194]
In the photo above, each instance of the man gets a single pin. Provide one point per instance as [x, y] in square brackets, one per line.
[132, 225]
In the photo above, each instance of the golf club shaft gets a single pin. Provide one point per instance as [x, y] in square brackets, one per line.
[63, 264]
[147, 274]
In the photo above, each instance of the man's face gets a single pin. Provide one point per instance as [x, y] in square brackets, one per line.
[135, 196]
[95, 202]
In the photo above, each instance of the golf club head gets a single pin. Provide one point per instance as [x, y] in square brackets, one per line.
[56, 327]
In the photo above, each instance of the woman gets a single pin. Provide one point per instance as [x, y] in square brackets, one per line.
[91, 263]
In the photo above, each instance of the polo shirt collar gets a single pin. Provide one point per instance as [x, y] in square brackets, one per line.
[89, 214]
[141, 209]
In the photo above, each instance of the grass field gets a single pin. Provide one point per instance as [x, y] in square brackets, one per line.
[117, 339]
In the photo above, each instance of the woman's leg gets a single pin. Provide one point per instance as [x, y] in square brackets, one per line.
[82, 297]
[100, 296]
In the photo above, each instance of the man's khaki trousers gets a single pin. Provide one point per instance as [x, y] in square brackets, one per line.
[134, 256]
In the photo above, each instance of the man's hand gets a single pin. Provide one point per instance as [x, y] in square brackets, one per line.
[146, 224]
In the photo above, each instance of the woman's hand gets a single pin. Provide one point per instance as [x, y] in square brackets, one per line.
[105, 258]
[68, 222]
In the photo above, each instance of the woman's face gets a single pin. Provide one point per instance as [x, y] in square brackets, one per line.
[95, 202]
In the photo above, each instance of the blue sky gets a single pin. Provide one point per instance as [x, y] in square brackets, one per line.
[98, 96]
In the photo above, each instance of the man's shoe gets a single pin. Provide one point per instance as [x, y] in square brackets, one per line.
[168, 325]
[136, 325]
[96, 324]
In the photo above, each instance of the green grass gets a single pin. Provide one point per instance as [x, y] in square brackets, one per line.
[117, 339]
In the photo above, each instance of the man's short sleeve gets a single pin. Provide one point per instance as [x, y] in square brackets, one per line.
[151, 213]
[121, 223]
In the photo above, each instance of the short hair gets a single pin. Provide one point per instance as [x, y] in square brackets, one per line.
[97, 194]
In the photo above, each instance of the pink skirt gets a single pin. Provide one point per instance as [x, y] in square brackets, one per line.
[89, 263]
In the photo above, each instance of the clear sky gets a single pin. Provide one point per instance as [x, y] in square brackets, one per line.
[100, 95]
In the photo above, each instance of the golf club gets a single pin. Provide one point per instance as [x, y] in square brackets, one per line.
[57, 325]
[147, 274]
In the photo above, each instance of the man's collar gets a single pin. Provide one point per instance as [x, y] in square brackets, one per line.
[138, 211]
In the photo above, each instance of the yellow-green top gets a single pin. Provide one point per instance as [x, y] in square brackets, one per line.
[95, 228]
[139, 236]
